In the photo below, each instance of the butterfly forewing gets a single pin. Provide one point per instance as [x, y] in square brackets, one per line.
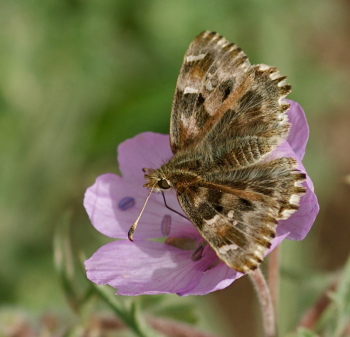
[212, 69]
[226, 107]
[255, 124]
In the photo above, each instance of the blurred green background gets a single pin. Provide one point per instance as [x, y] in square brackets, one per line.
[79, 77]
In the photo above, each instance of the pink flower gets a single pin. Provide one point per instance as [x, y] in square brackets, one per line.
[153, 266]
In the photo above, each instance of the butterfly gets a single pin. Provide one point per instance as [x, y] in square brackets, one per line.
[227, 117]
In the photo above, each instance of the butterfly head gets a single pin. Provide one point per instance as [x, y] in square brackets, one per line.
[156, 179]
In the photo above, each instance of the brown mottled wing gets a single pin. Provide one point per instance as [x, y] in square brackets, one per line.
[212, 67]
[223, 103]
[237, 212]
[254, 125]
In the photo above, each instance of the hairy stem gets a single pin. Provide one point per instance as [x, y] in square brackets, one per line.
[265, 300]
[273, 278]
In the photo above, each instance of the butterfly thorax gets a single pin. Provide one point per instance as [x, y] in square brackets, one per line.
[178, 173]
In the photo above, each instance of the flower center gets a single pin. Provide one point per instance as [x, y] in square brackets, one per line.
[185, 243]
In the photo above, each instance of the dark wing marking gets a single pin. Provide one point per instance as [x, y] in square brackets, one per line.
[237, 211]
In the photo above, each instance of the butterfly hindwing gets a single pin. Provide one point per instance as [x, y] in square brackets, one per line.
[237, 212]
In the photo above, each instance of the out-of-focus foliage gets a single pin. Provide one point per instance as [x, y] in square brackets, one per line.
[335, 320]
[78, 77]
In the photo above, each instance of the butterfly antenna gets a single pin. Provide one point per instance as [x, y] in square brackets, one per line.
[166, 205]
[133, 227]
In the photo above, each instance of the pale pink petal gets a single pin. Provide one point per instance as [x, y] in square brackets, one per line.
[300, 223]
[102, 202]
[146, 150]
[213, 279]
[299, 132]
[147, 267]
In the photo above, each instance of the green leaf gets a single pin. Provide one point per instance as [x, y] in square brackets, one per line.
[336, 318]
[63, 260]
[303, 332]
[341, 300]
[181, 312]
[129, 314]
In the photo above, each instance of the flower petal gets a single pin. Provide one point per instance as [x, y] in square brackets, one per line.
[113, 203]
[299, 132]
[300, 223]
[146, 150]
[149, 267]
[102, 202]
[213, 279]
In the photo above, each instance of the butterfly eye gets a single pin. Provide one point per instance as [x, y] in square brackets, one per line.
[163, 184]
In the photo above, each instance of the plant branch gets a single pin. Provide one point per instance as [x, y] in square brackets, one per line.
[312, 316]
[167, 327]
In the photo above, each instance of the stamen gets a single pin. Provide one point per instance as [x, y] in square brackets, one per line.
[126, 203]
[198, 253]
[213, 265]
[133, 227]
[181, 242]
[166, 225]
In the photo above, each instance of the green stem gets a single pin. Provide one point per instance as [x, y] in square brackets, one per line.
[129, 316]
